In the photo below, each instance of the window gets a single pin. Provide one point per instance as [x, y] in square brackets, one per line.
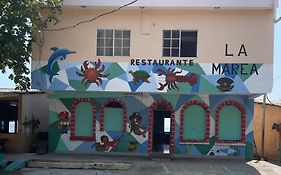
[167, 124]
[230, 123]
[195, 122]
[9, 116]
[83, 120]
[113, 42]
[179, 43]
[113, 116]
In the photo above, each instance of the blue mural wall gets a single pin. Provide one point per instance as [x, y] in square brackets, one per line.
[143, 75]
[130, 142]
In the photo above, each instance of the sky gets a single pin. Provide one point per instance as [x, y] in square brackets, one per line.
[276, 90]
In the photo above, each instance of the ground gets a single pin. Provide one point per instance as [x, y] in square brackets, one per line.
[179, 166]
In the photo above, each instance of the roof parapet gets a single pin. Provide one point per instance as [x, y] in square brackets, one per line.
[191, 4]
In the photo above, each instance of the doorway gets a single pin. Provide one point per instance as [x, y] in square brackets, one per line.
[161, 131]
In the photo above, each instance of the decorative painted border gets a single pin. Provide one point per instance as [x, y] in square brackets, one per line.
[207, 128]
[124, 112]
[72, 125]
[243, 123]
[150, 124]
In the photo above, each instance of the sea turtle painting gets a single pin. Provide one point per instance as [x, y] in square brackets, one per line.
[140, 75]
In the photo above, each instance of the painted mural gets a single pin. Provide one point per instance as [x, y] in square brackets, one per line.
[92, 74]
[104, 145]
[135, 124]
[171, 77]
[135, 139]
[97, 75]
[58, 54]
[63, 125]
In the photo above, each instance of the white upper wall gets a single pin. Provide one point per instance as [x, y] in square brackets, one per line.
[236, 4]
[36, 105]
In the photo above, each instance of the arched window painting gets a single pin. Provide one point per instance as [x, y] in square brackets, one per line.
[194, 124]
[113, 116]
[83, 120]
[230, 123]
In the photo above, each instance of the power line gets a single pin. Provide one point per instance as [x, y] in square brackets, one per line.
[91, 20]
[269, 100]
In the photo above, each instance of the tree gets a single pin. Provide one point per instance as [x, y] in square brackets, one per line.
[19, 21]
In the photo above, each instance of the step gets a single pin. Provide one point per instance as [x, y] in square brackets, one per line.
[160, 157]
[58, 164]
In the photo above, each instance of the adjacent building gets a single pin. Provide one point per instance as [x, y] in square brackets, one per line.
[20, 121]
[272, 128]
[155, 77]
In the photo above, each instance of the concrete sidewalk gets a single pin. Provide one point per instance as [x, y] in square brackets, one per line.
[143, 166]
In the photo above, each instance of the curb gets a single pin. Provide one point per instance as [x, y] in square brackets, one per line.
[57, 164]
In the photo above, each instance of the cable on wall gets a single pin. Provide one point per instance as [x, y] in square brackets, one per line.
[93, 19]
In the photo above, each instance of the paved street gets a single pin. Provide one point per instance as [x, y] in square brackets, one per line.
[143, 166]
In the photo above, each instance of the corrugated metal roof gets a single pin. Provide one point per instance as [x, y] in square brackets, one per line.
[13, 91]
[269, 102]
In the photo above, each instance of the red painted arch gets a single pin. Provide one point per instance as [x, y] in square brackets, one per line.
[153, 107]
[241, 108]
[72, 125]
[113, 100]
[207, 128]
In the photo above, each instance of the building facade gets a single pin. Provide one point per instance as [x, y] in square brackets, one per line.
[20, 122]
[169, 77]
[272, 136]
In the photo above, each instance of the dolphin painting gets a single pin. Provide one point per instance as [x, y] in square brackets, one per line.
[58, 54]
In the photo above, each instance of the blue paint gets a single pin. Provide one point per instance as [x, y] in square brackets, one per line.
[71, 73]
[182, 100]
[16, 165]
[123, 77]
[58, 85]
[58, 54]
[239, 87]
[227, 73]
[142, 148]
[38, 79]
[85, 147]
[157, 97]
[250, 137]
[249, 112]
[2, 159]
[134, 86]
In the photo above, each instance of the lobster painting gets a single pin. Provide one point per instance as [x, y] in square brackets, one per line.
[172, 77]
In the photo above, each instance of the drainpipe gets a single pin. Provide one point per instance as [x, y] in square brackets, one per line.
[263, 125]
[279, 146]
[275, 5]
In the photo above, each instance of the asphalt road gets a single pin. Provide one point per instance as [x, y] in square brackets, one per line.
[141, 165]
[179, 167]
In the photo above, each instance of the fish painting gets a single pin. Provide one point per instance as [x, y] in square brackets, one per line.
[58, 54]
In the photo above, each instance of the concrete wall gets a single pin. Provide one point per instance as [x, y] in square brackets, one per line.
[28, 105]
[175, 3]
[251, 28]
[216, 28]
[37, 105]
[33, 105]
[62, 140]
[272, 137]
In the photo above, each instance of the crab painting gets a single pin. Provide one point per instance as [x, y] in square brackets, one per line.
[92, 74]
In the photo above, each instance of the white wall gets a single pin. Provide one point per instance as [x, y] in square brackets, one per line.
[175, 3]
[38, 106]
